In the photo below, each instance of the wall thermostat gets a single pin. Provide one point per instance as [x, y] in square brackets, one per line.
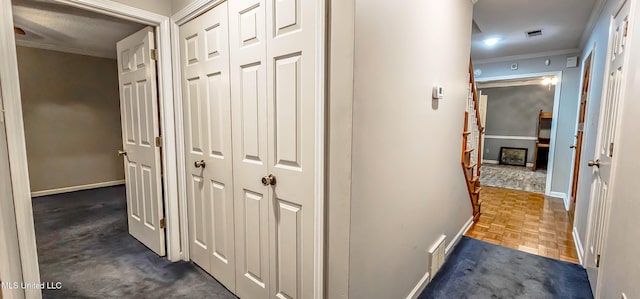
[438, 92]
[514, 66]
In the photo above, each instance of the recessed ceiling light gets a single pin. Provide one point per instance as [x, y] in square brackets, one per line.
[491, 41]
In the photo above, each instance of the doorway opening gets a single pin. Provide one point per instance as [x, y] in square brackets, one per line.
[89, 109]
[520, 130]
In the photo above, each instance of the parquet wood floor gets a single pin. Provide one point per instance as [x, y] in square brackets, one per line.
[525, 221]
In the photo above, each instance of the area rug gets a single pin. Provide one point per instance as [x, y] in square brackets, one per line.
[513, 177]
[476, 269]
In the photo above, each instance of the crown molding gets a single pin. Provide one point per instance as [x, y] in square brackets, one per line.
[526, 56]
[598, 8]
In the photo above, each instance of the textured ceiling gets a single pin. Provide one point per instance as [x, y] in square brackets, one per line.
[59, 27]
[562, 22]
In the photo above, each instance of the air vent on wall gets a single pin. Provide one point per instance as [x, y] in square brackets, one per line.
[534, 33]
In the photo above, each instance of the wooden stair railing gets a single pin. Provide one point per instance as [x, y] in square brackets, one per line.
[472, 145]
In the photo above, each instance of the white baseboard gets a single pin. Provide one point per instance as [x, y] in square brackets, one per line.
[579, 248]
[76, 188]
[561, 195]
[458, 236]
[417, 290]
[496, 162]
[426, 278]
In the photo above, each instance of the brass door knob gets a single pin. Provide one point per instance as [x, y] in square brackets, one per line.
[122, 153]
[595, 163]
[269, 180]
[200, 164]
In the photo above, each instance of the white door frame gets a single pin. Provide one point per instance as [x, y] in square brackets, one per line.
[554, 122]
[10, 89]
[190, 12]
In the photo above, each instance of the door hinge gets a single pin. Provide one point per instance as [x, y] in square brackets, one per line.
[154, 54]
[163, 223]
[611, 149]
[598, 261]
[159, 141]
[626, 28]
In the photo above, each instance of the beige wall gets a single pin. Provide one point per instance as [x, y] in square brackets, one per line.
[162, 7]
[338, 184]
[71, 113]
[408, 186]
[177, 5]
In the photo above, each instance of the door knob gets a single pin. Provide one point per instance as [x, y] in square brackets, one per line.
[269, 180]
[572, 146]
[595, 163]
[200, 164]
[122, 153]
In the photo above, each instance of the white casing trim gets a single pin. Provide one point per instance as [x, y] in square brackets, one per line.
[579, 248]
[76, 188]
[16, 143]
[190, 12]
[554, 121]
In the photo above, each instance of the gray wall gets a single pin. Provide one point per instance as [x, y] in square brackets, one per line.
[599, 38]
[408, 187]
[513, 111]
[620, 267]
[567, 114]
[71, 113]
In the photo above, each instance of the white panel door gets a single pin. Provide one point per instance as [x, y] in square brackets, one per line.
[293, 79]
[600, 199]
[206, 98]
[139, 116]
[249, 110]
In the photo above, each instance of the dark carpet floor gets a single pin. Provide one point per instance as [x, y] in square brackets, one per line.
[84, 243]
[476, 269]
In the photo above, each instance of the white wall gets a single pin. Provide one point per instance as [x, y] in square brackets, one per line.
[599, 38]
[620, 265]
[569, 99]
[71, 110]
[408, 186]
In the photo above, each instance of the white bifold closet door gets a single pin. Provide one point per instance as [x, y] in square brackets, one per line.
[274, 78]
[204, 53]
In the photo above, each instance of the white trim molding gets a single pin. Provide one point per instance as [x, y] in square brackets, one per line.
[16, 147]
[10, 89]
[561, 195]
[511, 137]
[478, 62]
[422, 283]
[187, 14]
[76, 188]
[578, 243]
[467, 225]
[554, 121]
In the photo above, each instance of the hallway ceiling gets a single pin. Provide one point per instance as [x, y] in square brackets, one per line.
[55, 26]
[563, 24]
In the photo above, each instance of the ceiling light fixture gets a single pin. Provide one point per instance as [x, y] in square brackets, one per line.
[491, 41]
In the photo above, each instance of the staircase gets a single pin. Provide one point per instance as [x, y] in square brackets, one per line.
[471, 146]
